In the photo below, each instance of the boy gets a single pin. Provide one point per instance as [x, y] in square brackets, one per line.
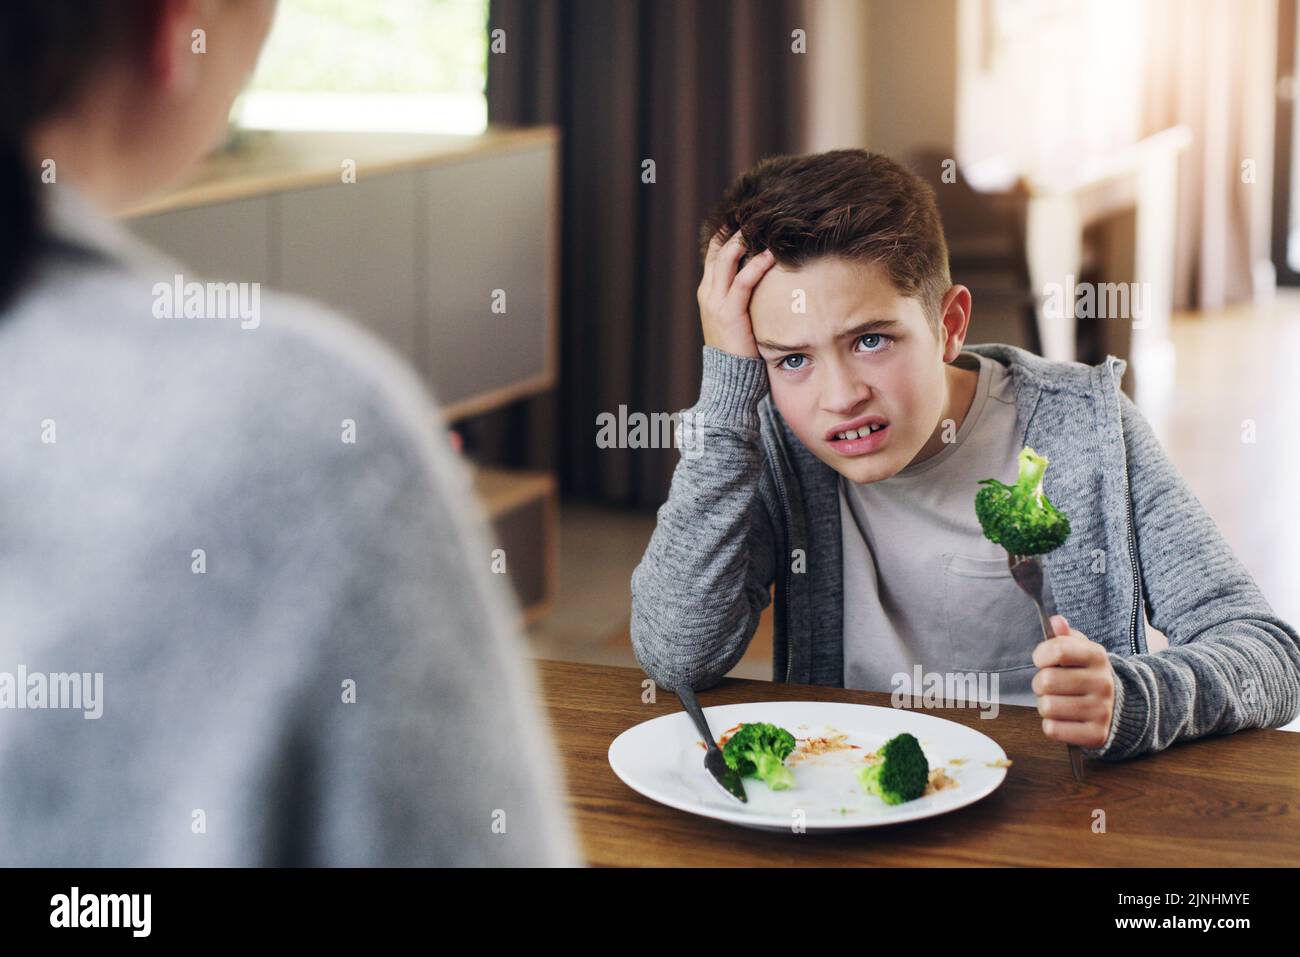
[841, 432]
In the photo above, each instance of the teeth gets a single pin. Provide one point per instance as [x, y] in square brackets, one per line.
[857, 433]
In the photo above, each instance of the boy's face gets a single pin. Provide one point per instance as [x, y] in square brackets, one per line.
[842, 346]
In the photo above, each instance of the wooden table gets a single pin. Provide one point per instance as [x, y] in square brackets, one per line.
[1232, 800]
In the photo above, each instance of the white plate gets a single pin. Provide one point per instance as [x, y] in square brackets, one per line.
[663, 758]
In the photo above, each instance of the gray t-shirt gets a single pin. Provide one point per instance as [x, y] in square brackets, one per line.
[922, 585]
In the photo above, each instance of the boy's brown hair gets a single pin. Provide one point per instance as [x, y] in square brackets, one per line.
[849, 203]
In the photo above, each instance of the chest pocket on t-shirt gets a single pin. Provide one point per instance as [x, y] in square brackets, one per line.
[992, 624]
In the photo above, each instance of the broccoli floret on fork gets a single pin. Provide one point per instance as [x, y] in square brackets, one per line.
[1019, 517]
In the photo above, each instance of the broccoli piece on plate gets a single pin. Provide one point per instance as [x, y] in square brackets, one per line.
[900, 771]
[1019, 517]
[761, 749]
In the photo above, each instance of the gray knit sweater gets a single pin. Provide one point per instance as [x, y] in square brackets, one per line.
[749, 494]
[304, 656]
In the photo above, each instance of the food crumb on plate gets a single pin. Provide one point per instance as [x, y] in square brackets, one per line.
[834, 741]
[999, 763]
[939, 781]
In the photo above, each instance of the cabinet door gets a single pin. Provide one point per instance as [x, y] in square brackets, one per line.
[230, 242]
[491, 224]
[353, 246]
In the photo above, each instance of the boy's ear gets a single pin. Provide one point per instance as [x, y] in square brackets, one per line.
[954, 320]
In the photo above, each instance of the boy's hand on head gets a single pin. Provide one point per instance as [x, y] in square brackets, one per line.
[1075, 686]
[724, 295]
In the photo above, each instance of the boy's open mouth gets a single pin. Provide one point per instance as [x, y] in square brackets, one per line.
[859, 436]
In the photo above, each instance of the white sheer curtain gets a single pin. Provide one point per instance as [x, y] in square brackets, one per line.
[1210, 65]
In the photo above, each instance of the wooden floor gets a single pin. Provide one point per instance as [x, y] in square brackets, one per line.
[1233, 368]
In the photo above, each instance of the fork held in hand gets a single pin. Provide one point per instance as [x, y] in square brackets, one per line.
[1028, 573]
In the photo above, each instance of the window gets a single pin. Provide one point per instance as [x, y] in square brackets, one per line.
[371, 65]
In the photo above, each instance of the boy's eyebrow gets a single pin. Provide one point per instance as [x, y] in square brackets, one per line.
[871, 325]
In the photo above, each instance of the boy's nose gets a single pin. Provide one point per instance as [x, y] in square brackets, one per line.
[844, 393]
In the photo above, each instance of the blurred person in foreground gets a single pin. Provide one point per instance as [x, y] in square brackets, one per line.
[246, 620]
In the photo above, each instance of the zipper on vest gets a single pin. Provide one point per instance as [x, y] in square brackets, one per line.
[1128, 515]
[785, 559]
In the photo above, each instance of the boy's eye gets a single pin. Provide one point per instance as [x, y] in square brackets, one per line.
[797, 359]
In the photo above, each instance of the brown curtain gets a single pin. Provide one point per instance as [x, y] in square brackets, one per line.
[1210, 66]
[704, 88]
